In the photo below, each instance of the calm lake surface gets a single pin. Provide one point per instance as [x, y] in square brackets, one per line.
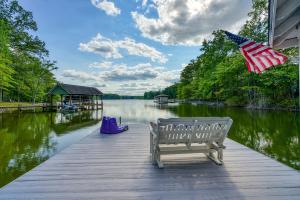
[27, 139]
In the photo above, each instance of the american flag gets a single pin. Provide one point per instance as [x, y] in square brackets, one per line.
[258, 57]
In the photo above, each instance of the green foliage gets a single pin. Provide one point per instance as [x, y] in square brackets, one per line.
[256, 27]
[6, 71]
[116, 96]
[219, 73]
[24, 67]
[151, 94]
[171, 91]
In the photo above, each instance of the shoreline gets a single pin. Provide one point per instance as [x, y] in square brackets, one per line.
[248, 107]
[7, 107]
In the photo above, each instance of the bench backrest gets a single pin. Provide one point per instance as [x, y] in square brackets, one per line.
[193, 130]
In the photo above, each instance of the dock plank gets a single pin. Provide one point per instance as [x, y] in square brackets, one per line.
[119, 167]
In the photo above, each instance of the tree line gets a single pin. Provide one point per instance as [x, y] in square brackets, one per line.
[219, 73]
[170, 91]
[116, 96]
[25, 69]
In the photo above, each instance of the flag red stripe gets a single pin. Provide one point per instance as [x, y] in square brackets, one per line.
[257, 63]
[248, 45]
[269, 61]
[262, 64]
[275, 56]
[255, 48]
[249, 59]
[248, 65]
[281, 55]
[257, 70]
[261, 51]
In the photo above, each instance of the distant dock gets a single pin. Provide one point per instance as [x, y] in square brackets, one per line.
[119, 167]
[50, 107]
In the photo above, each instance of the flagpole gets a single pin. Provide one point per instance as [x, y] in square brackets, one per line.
[298, 28]
[299, 62]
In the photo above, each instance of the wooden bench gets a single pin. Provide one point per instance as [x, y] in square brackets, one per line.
[189, 135]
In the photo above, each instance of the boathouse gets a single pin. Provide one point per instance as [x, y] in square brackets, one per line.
[85, 98]
[161, 99]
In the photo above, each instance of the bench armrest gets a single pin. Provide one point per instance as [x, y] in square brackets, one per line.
[153, 129]
[153, 137]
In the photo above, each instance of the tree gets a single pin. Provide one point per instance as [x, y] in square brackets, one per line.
[256, 27]
[24, 63]
[6, 71]
[188, 72]
[41, 76]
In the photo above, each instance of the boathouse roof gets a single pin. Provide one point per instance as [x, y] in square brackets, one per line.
[161, 95]
[67, 89]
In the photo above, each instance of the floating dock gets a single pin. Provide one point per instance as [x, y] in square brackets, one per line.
[119, 167]
[48, 107]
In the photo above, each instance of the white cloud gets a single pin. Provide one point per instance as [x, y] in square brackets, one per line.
[129, 85]
[79, 75]
[135, 80]
[144, 3]
[141, 49]
[171, 76]
[98, 84]
[101, 65]
[188, 22]
[146, 84]
[149, 8]
[107, 6]
[88, 79]
[101, 46]
[138, 72]
[111, 49]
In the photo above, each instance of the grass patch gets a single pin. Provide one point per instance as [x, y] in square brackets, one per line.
[14, 104]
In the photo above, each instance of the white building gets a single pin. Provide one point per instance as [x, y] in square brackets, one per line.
[161, 99]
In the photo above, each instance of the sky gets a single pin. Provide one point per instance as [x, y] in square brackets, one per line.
[129, 46]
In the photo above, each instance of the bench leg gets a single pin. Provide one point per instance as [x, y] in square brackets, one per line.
[152, 150]
[220, 155]
[217, 160]
[158, 161]
[160, 165]
[153, 157]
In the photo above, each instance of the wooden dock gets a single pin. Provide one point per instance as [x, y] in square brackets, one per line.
[119, 167]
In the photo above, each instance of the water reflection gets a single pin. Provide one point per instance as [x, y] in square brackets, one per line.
[27, 139]
[136, 111]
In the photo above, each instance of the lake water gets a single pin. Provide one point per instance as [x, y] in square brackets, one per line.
[27, 139]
